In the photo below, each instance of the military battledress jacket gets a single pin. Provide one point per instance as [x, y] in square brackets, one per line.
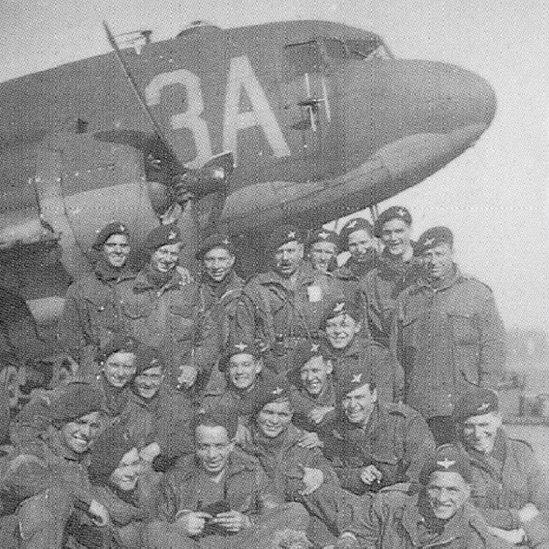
[447, 339]
[505, 481]
[396, 440]
[173, 320]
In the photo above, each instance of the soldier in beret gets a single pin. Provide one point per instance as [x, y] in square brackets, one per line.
[283, 306]
[91, 315]
[440, 515]
[398, 268]
[48, 482]
[322, 248]
[374, 444]
[244, 378]
[219, 497]
[313, 389]
[347, 346]
[447, 334]
[508, 483]
[163, 310]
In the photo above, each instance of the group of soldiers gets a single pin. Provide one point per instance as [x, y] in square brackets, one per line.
[313, 405]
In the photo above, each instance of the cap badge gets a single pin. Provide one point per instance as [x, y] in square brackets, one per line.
[226, 241]
[323, 235]
[241, 346]
[401, 212]
[277, 391]
[172, 235]
[338, 307]
[121, 228]
[483, 407]
[315, 347]
[291, 234]
[446, 463]
[356, 378]
[351, 224]
[429, 241]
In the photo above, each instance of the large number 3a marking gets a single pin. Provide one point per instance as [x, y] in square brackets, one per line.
[241, 79]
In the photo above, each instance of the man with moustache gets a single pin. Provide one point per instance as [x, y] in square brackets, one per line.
[447, 334]
[283, 306]
[440, 515]
[509, 485]
[322, 248]
[92, 315]
[398, 268]
[45, 485]
[162, 310]
[219, 496]
[373, 444]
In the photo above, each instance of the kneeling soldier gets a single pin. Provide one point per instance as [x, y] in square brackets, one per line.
[438, 516]
[509, 486]
[374, 444]
[218, 497]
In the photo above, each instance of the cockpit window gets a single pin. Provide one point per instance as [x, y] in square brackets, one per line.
[304, 58]
[363, 48]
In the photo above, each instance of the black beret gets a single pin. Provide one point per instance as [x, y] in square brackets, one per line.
[306, 350]
[215, 241]
[447, 458]
[394, 212]
[108, 450]
[282, 235]
[224, 416]
[236, 347]
[323, 235]
[274, 390]
[354, 375]
[353, 225]
[116, 227]
[344, 305]
[119, 343]
[475, 402]
[75, 400]
[147, 357]
[434, 237]
[161, 236]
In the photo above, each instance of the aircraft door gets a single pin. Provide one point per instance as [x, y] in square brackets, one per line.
[307, 105]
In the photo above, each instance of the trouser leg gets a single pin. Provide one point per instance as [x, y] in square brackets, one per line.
[42, 519]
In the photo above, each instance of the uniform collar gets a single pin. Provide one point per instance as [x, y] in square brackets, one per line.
[145, 281]
[447, 283]
[107, 273]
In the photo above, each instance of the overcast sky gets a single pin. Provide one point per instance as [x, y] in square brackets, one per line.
[494, 196]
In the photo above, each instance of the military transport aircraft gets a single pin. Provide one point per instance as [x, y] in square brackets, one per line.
[238, 129]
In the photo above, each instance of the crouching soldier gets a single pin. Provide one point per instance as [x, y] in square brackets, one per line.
[163, 311]
[440, 515]
[374, 444]
[47, 486]
[509, 486]
[313, 392]
[218, 497]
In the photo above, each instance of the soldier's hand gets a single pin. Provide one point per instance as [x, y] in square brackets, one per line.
[232, 521]
[149, 452]
[187, 376]
[194, 522]
[99, 513]
[312, 480]
[310, 441]
[186, 276]
[527, 513]
[316, 415]
[370, 474]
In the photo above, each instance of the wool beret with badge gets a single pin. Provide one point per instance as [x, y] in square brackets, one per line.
[282, 235]
[147, 357]
[394, 212]
[277, 389]
[162, 236]
[323, 235]
[354, 375]
[237, 346]
[215, 241]
[353, 225]
[75, 400]
[116, 227]
[433, 237]
[475, 402]
[447, 458]
[336, 307]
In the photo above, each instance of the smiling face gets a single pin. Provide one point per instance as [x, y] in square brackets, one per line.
[148, 382]
[116, 250]
[126, 475]
[119, 369]
[287, 258]
[165, 258]
[395, 235]
[213, 448]
[446, 493]
[314, 375]
[79, 434]
[340, 330]
[359, 244]
[218, 263]
[274, 418]
[358, 404]
[479, 432]
[322, 254]
[438, 262]
[243, 370]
